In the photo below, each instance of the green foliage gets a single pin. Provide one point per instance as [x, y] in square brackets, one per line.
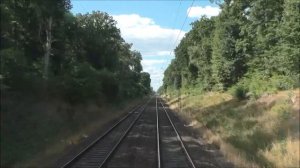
[83, 83]
[256, 84]
[251, 47]
[16, 68]
[282, 82]
[87, 60]
[48, 53]
[145, 82]
[239, 92]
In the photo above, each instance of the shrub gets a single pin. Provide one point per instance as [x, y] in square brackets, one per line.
[18, 74]
[109, 84]
[240, 92]
[281, 82]
[258, 84]
[82, 83]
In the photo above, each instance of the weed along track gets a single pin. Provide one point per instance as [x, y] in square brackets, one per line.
[146, 137]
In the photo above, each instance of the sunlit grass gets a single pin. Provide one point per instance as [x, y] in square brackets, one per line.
[284, 153]
[249, 132]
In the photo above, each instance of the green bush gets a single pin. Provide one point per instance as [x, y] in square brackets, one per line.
[18, 74]
[109, 84]
[256, 84]
[281, 82]
[239, 91]
[82, 83]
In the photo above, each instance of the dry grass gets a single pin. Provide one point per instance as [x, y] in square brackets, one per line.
[284, 153]
[250, 133]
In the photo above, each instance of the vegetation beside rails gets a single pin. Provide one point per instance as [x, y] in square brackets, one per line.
[237, 73]
[257, 132]
[38, 132]
[60, 73]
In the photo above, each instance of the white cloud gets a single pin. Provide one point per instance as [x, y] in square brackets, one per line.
[138, 27]
[151, 62]
[147, 37]
[198, 11]
[151, 40]
[159, 53]
[157, 74]
[156, 69]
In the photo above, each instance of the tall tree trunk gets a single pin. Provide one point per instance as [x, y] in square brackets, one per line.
[47, 47]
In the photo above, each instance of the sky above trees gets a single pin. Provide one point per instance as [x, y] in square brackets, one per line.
[151, 26]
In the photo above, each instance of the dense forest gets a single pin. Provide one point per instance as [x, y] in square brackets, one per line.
[53, 62]
[251, 47]
[46, 48]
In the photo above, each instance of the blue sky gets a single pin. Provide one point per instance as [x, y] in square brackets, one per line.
[151, 26]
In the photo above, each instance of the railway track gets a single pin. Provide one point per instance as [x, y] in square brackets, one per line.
[172, 149]
[146, 137]
[97, 153]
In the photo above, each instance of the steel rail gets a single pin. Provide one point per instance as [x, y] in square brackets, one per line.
[122, 138]
[76, 157]
[157, 138]
[207, 163]
[179, 138]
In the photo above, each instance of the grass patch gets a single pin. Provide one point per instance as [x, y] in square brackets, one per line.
[285, 153]
[259, 131]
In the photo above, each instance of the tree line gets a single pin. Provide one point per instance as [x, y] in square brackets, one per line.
[252, 46]
[46, 50]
